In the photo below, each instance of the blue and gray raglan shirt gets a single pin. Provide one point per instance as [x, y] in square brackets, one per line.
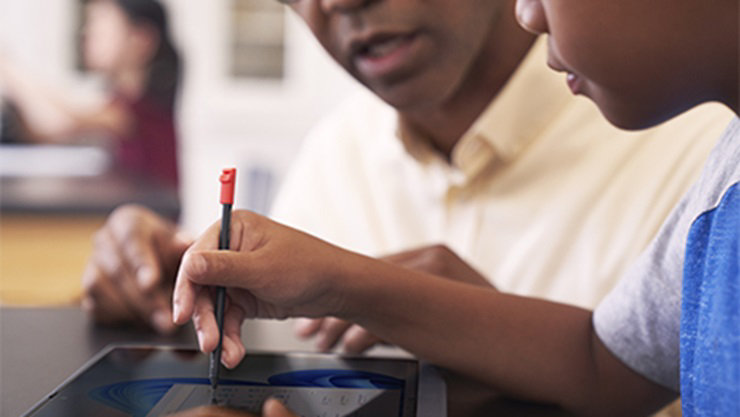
[675, 315]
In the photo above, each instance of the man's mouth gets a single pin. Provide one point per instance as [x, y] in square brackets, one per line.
[382, 46]
[383, 55]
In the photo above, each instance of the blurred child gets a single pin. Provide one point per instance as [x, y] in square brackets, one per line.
[127, 42]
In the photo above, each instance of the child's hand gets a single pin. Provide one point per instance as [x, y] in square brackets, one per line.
[271, 271]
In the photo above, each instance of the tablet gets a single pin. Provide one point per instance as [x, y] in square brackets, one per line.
[149, 381]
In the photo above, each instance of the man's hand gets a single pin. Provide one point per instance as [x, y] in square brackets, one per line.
[130, 275]
[271, 271]
[441, 261]
[271, 408]
[437, 260]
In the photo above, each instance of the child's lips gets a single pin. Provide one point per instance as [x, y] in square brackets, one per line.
[575, 83]
[555, 65]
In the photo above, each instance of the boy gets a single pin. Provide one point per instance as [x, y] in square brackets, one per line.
[641, 62]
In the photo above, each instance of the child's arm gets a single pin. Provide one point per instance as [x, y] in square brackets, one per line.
[532, 349]
[528, 348]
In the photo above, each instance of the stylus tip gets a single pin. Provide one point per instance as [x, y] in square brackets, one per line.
[214, 401]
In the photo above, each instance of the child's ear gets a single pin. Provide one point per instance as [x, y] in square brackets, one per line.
[531, 16]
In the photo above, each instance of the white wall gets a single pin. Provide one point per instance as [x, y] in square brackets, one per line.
[223, 122]
[39, 33]
[241, 123]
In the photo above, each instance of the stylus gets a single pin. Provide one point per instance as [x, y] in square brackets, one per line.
[228, 178]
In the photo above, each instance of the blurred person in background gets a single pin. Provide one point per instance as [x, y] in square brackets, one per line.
[127, 43]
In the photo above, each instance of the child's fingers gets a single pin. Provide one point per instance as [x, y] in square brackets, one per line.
[183, 298]
[216, 267]
[233, 319]
[232, 353]
[205, 321]
[274, 408]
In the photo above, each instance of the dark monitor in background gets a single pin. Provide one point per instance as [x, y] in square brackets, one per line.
[11, 128]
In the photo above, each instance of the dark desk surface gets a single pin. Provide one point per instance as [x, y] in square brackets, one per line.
[40, 348]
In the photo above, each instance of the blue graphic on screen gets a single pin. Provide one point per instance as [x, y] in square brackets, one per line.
[138, 397]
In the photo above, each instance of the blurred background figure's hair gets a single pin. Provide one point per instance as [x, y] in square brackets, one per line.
[166, 66]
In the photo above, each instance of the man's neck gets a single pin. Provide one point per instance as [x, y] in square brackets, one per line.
[444, 125]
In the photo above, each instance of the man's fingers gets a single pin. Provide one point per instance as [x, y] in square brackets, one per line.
[113, 264]
[107, 256]
[305, 327]
[162, 317]
[131, 230]
[401, 258]
[143, 260]
[102, 298]
[331, 332]
[357, 340]
[142, 303]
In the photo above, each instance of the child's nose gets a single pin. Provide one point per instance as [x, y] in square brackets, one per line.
[531, 16]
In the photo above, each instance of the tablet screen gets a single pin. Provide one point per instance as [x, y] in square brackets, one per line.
[148, 381]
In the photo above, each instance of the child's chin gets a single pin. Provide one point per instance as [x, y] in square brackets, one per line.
[630, 117]
[630, 123]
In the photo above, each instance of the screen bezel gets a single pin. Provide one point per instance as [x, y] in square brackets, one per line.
[430, 388]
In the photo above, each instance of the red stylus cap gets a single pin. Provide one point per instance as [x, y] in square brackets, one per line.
[228, 179]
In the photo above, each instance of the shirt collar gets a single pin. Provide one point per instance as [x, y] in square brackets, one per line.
[532, 97]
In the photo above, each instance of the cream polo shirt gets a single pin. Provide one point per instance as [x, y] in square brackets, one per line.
[542, 195]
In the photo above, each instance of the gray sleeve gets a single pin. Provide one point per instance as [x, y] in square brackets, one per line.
[639, 320]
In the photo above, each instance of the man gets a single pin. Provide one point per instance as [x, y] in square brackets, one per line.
[474, 146]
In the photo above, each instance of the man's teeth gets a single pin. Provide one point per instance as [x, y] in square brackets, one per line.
[379, 49]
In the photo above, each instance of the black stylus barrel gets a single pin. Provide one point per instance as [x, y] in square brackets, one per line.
[223, 244]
